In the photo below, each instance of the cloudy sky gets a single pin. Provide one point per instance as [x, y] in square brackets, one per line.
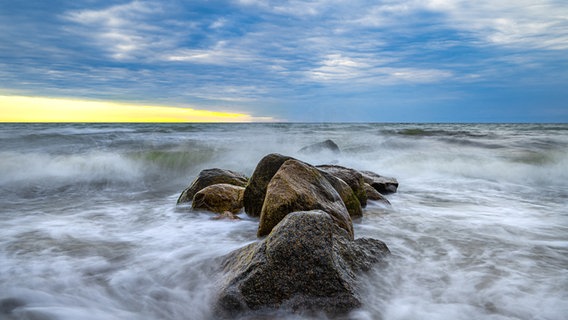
[334, 60]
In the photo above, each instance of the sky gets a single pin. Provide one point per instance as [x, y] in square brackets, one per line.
[293, 61]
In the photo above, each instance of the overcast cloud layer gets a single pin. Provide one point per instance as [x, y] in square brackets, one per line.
[335, 60]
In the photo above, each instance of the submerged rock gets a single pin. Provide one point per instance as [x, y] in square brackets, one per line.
[298, 186]
[307, 263]
[327, 145]
[8, 305]
[256, 189]
[384, 185]
[226, 216]
[219, 198]
[210, 177]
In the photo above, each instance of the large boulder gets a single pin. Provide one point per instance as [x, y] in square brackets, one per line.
[219, 198]
[298, 186]
[327, 145]
[256, 189]
[210, 177]
[307, 263]
[352, 177]
[384, 185]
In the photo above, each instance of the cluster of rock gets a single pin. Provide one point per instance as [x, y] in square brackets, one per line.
[216, 190]
[309, 257]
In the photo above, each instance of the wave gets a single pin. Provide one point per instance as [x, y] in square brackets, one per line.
[169, 156]
[17, 167]
[422, 161]
[176, 161]
[421, 132]
[33, 175]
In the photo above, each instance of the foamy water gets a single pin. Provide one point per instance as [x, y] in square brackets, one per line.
[89, 228]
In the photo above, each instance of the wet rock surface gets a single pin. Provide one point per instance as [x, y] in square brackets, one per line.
[327, 145]
[219, 198]
[307, 263]
[210, 177]
[384, 185]
[346, 193]
[309, 258]
[352, 177]
[256, 189]
[298, 186]
[374, 195]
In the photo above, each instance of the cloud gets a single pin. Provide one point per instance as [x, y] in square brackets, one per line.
[371, 71]
[533, 24]
[271, 57]
[385, 14]
[126, 31]
[219, 23]
[298, 8]
[230, 93]
[219, 54]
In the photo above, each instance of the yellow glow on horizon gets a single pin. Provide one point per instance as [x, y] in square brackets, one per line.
[40, 109]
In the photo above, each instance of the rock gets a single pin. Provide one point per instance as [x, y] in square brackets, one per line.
[306, 264]
[298, 186]
[210, 177]
[374, 195]
[226, 216]
[327, 145]
[255, 192]
[256, 189]
[352, 177]
[384, 185]
[8, 305]
[219, 198]
[346, 194]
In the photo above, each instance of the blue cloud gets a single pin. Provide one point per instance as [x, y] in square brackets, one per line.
[436, 60]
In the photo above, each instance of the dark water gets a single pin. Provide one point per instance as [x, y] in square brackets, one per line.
[89, 228]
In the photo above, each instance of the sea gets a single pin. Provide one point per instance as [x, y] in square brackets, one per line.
[89, 227]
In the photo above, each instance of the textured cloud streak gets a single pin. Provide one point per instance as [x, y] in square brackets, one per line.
[538, 24]
[125, 32]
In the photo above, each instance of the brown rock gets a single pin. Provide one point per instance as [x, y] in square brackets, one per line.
[298, 186]
[384, 185]
[327, 145]
[347, 195]
[256, 189]
[352, 177]
[374, 195]
[219, 198]
[307, 263]
[210, 177]
[226, 216]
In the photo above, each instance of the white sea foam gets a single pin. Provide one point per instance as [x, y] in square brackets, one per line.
[17, 167]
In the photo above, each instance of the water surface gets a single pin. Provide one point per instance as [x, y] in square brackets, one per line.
[89, 228]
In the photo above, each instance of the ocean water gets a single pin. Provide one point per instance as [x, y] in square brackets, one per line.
[89, 228]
